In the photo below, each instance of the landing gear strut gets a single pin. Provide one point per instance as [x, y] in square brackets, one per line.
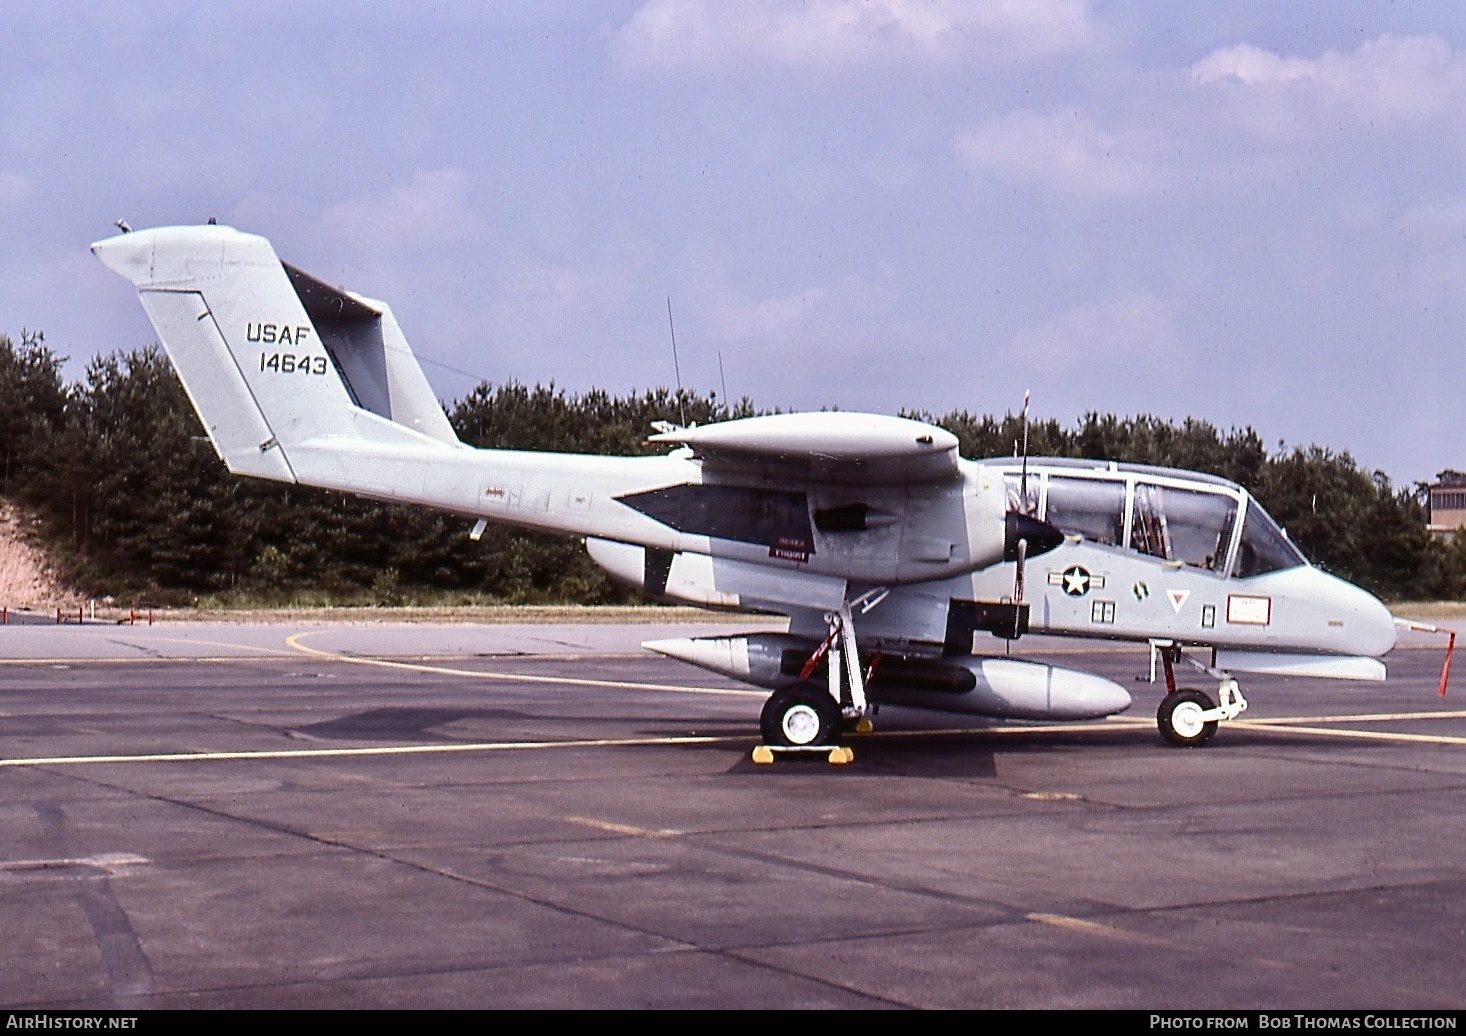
[805, 717]
[1188, 717]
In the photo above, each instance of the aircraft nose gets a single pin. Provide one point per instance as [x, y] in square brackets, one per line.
[1366, 625]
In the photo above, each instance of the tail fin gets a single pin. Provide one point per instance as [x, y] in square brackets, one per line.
[271, 357]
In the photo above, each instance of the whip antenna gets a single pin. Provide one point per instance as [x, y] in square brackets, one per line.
[676, 367]
[1023, 482]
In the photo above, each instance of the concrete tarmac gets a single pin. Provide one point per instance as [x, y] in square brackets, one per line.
[474, 816]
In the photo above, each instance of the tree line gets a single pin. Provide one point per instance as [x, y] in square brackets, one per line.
[138, 507]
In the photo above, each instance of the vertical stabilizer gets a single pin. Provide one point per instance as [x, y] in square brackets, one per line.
[273, 358]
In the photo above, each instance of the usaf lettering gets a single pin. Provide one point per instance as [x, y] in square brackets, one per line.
[272, 334]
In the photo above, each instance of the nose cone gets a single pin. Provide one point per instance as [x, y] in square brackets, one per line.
[1317, 611]
[726, 655]
[1358, 622]
[1041, 536]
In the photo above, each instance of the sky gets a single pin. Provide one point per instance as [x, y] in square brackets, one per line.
[1248, 213]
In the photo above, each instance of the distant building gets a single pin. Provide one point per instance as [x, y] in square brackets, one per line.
[1447, 503]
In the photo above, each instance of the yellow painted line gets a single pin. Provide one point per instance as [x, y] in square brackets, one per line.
[1296, 725]
[1363, 735]
[1368, 717]
[330, 753]
[1078, 924]
[274, 652]
[564, 681]
[620, 829]
[503, 746]
[1104, 931]
[213, 643]
[139, 659]
[486, 746]
[1306, 725]
[1057, 727]
[285, 653]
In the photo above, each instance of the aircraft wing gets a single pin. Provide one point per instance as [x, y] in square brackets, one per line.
[862, 449]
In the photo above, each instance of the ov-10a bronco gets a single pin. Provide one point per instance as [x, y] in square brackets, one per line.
[888, 552]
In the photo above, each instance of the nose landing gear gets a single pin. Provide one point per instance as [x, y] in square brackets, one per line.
[1188, 717]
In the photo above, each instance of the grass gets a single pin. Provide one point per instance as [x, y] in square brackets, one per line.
[503, 614]
[495, 614]
[1430, 611]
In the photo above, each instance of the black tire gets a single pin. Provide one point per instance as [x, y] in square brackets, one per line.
[1178, 721]
[799, 717]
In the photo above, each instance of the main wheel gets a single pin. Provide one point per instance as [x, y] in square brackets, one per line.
[1179, 718]
[798, 717]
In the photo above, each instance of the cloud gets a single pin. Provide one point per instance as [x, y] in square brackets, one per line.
[831, 34]
[1065, 150]
[1244, 119]
[1252, 67]
[1111, 335]
[734, 318]
[1436, 235]
[535, 300]
[435, 209]
[845, 342]
[1405, 79]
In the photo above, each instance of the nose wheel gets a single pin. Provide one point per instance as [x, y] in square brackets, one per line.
[1182, 718]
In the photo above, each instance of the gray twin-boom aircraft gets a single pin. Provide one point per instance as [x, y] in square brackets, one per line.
[886, 550]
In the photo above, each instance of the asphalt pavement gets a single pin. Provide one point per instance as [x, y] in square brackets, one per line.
[482, 816]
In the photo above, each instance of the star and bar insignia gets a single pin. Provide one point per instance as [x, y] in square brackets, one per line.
[1076, 580]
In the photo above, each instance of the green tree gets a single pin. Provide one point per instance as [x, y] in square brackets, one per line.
[33, 401]
[131, 488]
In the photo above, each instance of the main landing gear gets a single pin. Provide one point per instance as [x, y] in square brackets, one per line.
[800, 717]
[1188, 717]
[806, 718]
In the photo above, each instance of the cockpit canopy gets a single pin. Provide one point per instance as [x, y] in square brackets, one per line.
[1178, 516]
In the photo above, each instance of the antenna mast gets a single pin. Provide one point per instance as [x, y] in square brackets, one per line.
[1023, 483]
[676, 367]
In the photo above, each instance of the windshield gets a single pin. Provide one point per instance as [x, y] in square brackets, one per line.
[1265, 547]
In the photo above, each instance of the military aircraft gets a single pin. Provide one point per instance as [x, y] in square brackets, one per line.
[888, 553]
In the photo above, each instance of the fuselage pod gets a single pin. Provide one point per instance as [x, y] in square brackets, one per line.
[1007, 688]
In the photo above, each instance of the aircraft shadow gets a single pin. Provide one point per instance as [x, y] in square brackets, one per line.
[402, 723]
